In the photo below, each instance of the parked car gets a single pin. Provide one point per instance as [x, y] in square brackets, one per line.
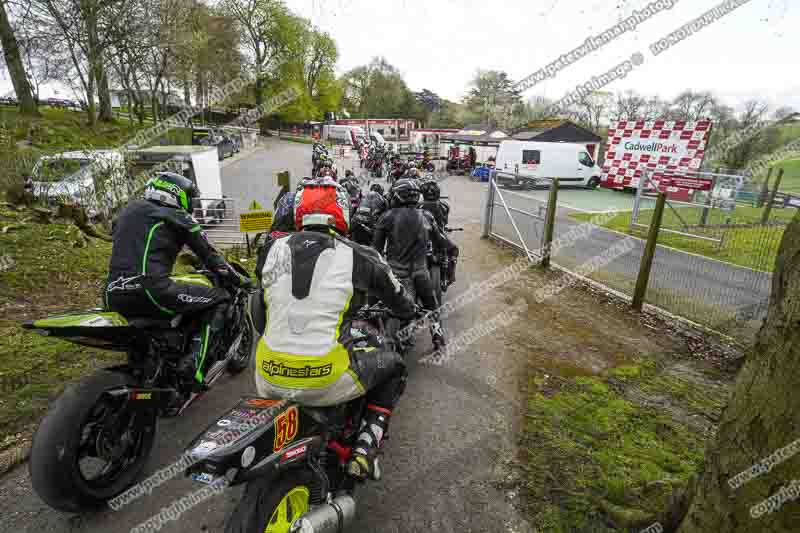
[96, 179]
[238, 139]
[214, 137]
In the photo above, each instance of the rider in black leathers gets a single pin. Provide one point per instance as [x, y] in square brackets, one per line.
[403, 233]
[432, 202]
[372, 206]
[147, 237]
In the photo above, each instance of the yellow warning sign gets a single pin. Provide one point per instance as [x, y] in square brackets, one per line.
[255, 206]
[257, 221]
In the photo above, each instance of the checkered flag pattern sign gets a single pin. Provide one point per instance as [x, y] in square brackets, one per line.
[672, 149]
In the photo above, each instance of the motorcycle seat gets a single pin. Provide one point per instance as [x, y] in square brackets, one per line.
[331, 417]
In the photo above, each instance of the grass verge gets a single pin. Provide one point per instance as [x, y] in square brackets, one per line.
[604, 453]
[48, 275]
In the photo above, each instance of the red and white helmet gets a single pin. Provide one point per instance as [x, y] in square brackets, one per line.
[322, 202]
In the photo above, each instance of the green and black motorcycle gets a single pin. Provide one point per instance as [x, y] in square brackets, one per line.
[97, 435]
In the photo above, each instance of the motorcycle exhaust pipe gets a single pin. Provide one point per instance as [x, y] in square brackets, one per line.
[333, 517]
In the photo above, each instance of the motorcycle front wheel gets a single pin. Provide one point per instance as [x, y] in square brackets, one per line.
[272, 507]
[91, 446]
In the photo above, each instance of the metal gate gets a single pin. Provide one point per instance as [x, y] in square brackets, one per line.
[517, 219]
[219, 218]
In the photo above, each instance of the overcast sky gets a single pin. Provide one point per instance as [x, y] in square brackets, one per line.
[439, 44]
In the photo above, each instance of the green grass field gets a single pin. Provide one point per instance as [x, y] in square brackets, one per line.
[791, 175]
[753, 247]
[60, 130]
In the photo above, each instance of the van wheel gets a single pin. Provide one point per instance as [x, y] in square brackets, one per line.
[593, 183]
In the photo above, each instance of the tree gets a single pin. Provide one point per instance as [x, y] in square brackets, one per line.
[450, 115]
[538, 108]
[16, 68]
[594, 107]
[265, 28]
[378, 90]
[78, 32]
[428, 99]
[691, 105]
[761, 417]
[356, 88]
[493, 97]
[654, 108]
[764, 140]
[628, 106]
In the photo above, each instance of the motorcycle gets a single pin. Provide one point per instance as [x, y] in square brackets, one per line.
[375, 165]
[97, 435]
[439, 267]
[290, 457]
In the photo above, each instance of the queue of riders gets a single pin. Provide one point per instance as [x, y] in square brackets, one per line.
[341, 248]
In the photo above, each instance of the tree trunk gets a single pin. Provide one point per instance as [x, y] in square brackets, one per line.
[259, 89]
[154, 106]
[91, 107]
[104, 94]
[130, 106]
[16, 69]
[187, 98]
[762, 417]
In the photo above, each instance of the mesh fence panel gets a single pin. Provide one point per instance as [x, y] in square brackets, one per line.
[713, 264]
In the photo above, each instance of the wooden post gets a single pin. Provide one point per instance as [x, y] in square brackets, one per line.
[704, 216]
[764, 189]
[649, 253]
[771, 199]
[550, 222]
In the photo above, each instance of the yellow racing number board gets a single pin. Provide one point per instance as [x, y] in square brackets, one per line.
[257, 221]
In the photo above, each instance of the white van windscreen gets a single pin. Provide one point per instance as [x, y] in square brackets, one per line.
[585, 159]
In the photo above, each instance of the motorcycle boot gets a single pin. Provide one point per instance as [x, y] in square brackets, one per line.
[364, 463]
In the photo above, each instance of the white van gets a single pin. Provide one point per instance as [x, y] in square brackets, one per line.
[342, 134]
[529, 160]
[377, 137]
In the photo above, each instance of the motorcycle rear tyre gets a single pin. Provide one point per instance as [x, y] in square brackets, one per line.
[53, 460]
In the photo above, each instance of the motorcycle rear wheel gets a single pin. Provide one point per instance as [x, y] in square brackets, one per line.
[247, 348]
[269, 506]
[436, 281]
[62, 440]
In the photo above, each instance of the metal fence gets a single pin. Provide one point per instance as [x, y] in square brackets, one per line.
[712, 265]
[219, 218]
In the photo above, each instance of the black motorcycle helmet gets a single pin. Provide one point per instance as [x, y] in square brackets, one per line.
[430, 191]
[376, 187]
[405, 192]
[173, 190]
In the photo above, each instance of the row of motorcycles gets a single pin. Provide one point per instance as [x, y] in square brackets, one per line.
[379, 160]
[94, 443]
